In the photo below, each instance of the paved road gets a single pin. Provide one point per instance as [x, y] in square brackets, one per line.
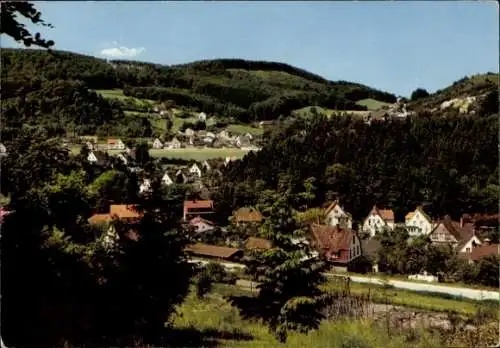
[421, 287]
[473, 294]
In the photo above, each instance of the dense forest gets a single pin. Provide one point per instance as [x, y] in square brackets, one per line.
[240, 90]
[449, 165]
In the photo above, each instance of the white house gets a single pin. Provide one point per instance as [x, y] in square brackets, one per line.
[145, 186]
[242, 140]
[157, 144]
[418, 223]
[210, 135]
[202, 116]
[201, 225]
[166, 179]
[116, 144]
[174, 144]
[460, 235]
[98, 157]
[377, 220]
[337, 216]
[189, 132]
[194, 169]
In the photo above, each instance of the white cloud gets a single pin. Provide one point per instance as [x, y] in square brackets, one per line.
[122, 51]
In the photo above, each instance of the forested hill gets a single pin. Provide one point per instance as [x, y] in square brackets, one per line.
[241, 89]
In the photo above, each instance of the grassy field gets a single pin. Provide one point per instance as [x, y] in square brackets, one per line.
[306, 111]
[118, 94]
[372, 104]
[214, 322]
[198, 154]
[241, 129]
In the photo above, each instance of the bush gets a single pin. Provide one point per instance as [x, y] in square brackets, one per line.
[203, 284]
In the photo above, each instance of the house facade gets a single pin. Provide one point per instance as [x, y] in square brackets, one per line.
[418, 223]
[461, 236]
[335, 215]
[166, 179]
[195, 208]
[157, 144]
[194, 169]
[97, 157]
[174, 144]
[246, 215]
[377, 220]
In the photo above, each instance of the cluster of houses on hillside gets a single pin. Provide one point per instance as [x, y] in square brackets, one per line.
[223, 139]
[334, 239]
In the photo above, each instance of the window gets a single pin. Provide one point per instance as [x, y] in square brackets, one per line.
[467, 250]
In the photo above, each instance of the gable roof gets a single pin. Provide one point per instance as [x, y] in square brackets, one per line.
[421, 210]
[247, 214]
[332, 238]
[333, 205]
[208, 204]
[124, 211]
[211, 250]
[254, 243]
[99, 218]
[100, 155]
[386, 214]
[371, 246]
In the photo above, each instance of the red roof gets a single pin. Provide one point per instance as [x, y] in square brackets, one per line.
[198, 204]
[484, 250]
[121, 211]
[385, 214]
[333, 240]
[247, 214]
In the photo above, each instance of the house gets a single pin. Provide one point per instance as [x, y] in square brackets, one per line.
[224, 135]
[248, 135]
[97, 157]
[182, 176]
[418, 222]
[459, 234]
[3, 150]
[261, 244]
[370, 248]
[484, 224]
[377, 220]
[211, 164]
[145, 186]
[201, 225]
[166, 179]
[202, 116]
[208, 140]
[214, 252]
[247, 215]
[211, 135]
[173, 144]
[197, 208]
[122, 212]
[337, 216]
[339, 246]
[242, 141]
[115, 144]
[157, 144]
[265, 124]
[189, 132]
[194, 169]
[481, 251]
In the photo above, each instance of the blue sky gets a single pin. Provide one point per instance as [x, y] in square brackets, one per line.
[393, 46]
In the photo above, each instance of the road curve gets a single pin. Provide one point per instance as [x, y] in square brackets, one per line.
[473, 294]
[468, 293]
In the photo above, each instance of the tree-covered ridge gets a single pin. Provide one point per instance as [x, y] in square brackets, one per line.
[449, 165]
[245, 90]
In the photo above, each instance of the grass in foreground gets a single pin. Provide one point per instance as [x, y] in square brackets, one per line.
[429, 301]
[214, 322]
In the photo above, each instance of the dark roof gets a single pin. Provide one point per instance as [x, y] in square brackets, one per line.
[211, 250]
[462, 233]
[371, 246]
[254, 243]
[100, 155]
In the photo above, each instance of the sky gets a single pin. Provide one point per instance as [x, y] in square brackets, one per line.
[393, 46]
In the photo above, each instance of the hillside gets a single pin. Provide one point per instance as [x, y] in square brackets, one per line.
[238, 91]
[477, 94]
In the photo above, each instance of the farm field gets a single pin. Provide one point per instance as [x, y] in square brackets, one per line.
[306, 111]
[198, 154]
[372, 104]
[118, 94]
[241, 129]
